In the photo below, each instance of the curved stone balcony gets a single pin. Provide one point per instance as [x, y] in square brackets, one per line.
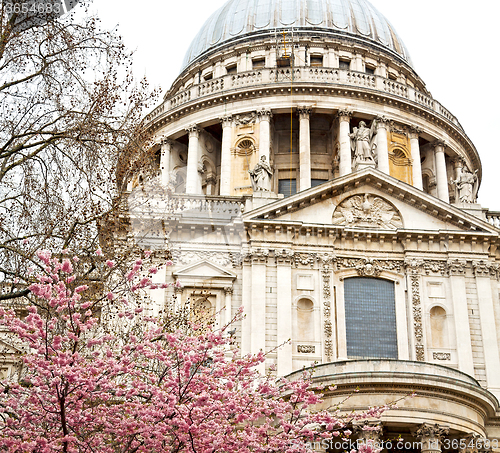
[442, 395]
[228, 84]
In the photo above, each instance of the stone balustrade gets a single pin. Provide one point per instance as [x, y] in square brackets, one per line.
[332, 76]
[493, 218]
[159, 204]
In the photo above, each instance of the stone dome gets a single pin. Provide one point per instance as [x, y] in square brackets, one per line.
[238, 19]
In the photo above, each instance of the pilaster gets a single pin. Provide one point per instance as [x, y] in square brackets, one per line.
[166, 149]
[284, 297]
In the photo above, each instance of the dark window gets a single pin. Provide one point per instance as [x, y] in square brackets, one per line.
[370, 316]
[231, 69]
[287, 187]
[258, 63]
[316, 60]
[208, 77]
[317, 182]
[369, 70]
[344, 64]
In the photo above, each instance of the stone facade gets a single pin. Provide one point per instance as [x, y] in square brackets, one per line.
[366, 180]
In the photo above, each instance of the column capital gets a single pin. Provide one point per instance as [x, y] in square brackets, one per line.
[193, 130]
[456, 267]
[228, 290]
[414, 131]
[428, 431]
[304, 111]
[382, 122]
[164, 140]
[344, 115]
[264, 114]
[439, 144]
[226, 120]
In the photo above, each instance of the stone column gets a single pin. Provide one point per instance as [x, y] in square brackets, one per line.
[225, 159]
[265, 116]
[193, 183]
[166, 148]
[371, 435]
[431, 437]
[382, 146]
[416, 158]
[304, 147]
[345, 165]
[484, 271]
[284, 315]
[457, 269]
[441, 174]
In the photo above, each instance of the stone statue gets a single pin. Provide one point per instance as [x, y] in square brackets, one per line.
[261, 175]
[363, 142]
[466, 185]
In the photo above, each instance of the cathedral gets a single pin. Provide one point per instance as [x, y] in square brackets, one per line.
[305, 173]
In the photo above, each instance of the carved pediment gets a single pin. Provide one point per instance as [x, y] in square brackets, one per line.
[367, 210]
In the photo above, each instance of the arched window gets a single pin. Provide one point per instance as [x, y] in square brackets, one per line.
[370, 315]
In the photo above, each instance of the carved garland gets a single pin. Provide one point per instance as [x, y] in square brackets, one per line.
[327, 307]
[417, 316]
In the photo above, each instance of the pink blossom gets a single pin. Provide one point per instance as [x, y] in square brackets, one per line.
[110, 263]
[98, 252]
[110, 296]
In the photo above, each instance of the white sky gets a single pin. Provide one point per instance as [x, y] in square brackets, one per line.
[453, 46]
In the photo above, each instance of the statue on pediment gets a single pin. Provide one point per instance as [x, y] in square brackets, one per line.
[466, 184]
[363, 142]
[261, 176]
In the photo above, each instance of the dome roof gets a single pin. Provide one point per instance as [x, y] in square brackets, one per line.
[238, 18]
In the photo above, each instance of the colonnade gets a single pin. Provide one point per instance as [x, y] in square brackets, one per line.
[193, 179]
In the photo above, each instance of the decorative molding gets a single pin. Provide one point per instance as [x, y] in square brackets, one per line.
[484, 269]
[413, 270]
[245, 119]
[327, 309]
[305, 259]
[306, 349]
[456, 267]
[441, 356]
[368, 266]
[256, 256]
[223, 259]
[427, 266]
[228, 290]
[284, 256]
[367, 210]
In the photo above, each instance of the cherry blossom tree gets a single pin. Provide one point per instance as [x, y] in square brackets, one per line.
[104, 376]
[72, 118]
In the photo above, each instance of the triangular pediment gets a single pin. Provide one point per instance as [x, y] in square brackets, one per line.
[7, 348]
[370, 199]
[205, 270]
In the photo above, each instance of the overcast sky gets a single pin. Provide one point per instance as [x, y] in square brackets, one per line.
[454, 49]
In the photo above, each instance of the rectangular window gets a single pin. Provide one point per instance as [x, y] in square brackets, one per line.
[287, 187]
[232, 69]
[370, 317]
[317, 182]
[208, 76]
[259, 63]
[344, 64]
[370, 70]
[316, 60]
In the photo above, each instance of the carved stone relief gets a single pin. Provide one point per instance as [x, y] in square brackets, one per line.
[306, 349]
[367, 210]
[220, 258]
[327, 311]
[369, 267]
[418, 332]
[441, 356]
